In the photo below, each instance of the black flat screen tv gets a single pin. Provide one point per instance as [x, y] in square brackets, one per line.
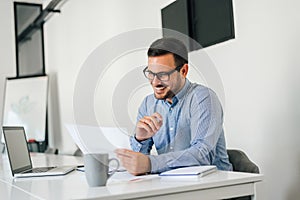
[208, 22]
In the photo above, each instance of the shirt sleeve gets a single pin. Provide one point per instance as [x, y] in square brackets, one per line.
[146, 145]
[206, 121]
[143, 146]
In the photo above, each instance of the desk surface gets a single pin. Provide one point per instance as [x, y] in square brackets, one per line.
[121, 185]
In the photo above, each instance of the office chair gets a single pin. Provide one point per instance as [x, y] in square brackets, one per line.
[241, 163]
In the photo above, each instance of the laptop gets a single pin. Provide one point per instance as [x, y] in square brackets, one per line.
[19, 156]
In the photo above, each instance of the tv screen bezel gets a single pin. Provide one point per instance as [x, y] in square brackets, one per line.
[190, 25]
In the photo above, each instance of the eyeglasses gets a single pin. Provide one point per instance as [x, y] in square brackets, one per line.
[162, 76]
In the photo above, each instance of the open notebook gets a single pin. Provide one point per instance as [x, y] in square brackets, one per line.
[19, 157]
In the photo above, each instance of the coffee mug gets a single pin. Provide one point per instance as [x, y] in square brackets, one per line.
[96, 167]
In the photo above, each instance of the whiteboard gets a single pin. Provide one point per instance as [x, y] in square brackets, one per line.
[25, 104]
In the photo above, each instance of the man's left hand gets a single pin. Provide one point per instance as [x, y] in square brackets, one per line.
[135, 163]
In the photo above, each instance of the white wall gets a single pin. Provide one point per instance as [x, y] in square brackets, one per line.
[7, 49]
[73, 35]
[259, 71]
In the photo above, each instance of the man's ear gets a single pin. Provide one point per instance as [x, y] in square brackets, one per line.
[184, 70]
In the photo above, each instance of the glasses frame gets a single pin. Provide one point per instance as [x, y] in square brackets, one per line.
[161, 73]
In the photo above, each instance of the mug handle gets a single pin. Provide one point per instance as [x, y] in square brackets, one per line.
[114, 170]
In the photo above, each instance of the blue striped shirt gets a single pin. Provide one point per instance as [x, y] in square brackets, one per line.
[192, 131]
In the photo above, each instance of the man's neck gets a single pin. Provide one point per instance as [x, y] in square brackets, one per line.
[170, 99]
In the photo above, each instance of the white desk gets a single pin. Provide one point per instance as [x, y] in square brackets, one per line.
[218, 185]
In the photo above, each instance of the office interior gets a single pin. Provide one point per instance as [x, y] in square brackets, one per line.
[259, 71]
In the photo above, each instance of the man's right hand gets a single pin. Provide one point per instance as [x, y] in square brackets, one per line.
[148, 126]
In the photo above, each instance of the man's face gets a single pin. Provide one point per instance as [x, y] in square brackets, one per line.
[166, 89]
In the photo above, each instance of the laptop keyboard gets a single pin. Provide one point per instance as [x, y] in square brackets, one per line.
[39, 170]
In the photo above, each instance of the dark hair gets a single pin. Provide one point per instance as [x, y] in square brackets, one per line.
[169, 45]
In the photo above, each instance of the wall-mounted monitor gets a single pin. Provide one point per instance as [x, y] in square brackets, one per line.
[208, 22]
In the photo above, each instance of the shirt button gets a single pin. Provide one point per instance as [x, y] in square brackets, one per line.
[171, 129]
[171, 148]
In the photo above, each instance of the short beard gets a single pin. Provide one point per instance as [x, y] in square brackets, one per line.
[169, 94]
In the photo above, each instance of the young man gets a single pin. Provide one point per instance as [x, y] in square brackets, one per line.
[183, 120]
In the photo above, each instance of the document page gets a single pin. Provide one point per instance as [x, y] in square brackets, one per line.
[92, 139]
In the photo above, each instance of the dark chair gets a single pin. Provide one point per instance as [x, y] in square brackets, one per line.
[241, 163]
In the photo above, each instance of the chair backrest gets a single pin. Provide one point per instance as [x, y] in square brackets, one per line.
[240, 161]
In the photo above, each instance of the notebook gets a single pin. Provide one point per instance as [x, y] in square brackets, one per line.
[19, 156]
[189, 172]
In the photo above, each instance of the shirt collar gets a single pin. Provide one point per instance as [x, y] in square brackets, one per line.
[184, 90]
[181, 93]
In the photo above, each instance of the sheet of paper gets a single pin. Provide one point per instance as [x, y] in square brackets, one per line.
[127, 177]
[92, 139]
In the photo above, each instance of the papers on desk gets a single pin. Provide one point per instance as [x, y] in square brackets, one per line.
[122, 175]
[92, 139]
[127, 177]
[120, 169]
[193, 172]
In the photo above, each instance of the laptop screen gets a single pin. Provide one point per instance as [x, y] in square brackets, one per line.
[17, 149]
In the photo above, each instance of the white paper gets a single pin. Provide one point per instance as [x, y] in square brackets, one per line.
[126, 176]
[92, 139]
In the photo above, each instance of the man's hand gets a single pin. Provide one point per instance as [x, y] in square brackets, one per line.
[135, 163]
[148, 126]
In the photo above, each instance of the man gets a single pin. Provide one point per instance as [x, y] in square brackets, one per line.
[182, 119]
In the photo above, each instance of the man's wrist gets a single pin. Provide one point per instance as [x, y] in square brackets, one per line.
[140, 140]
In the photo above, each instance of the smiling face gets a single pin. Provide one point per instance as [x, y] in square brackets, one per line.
[166, 89]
